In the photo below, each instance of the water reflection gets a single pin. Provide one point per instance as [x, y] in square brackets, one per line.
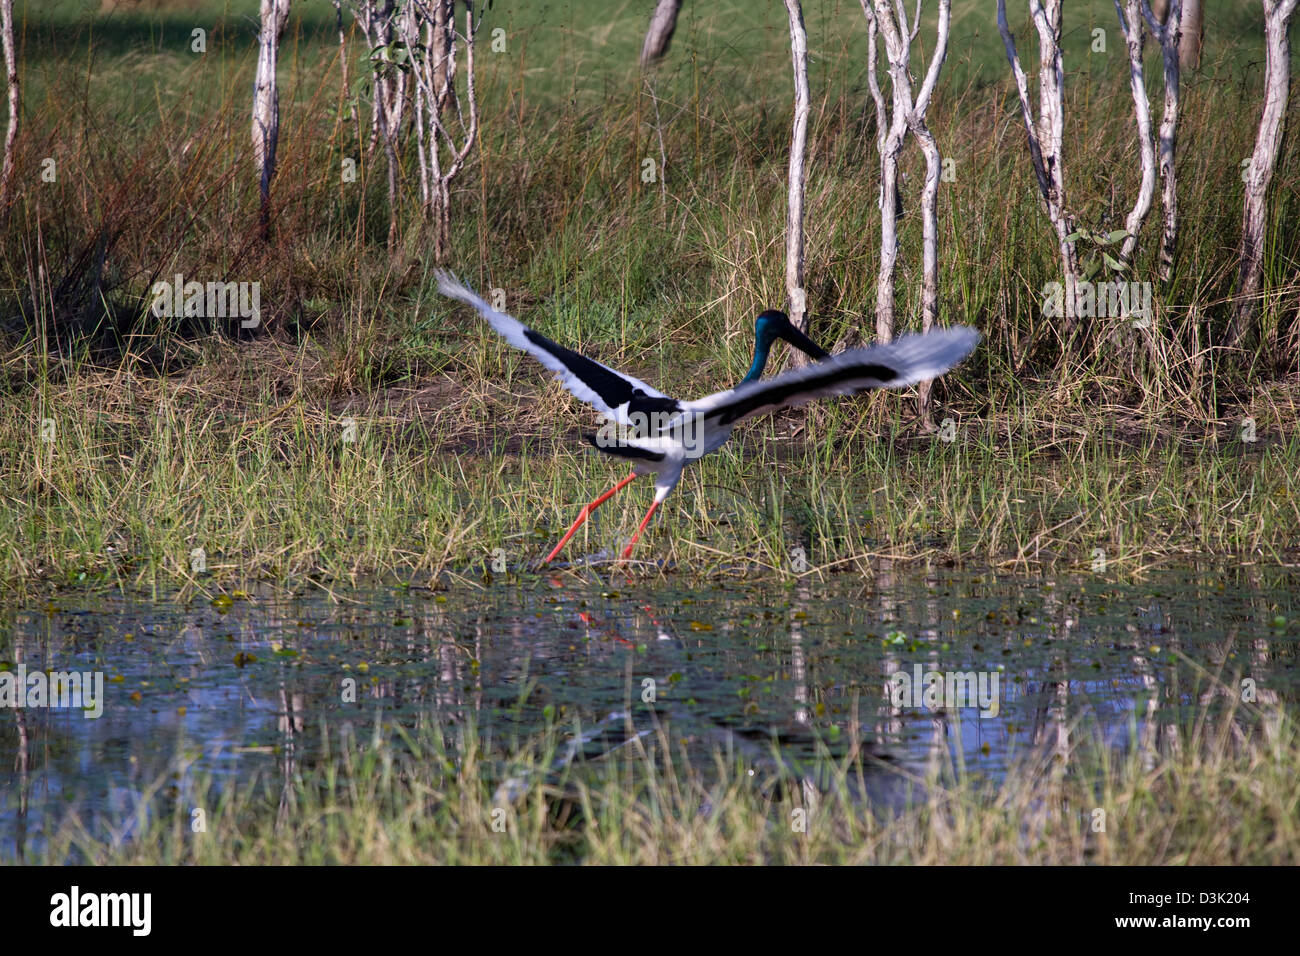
[767, 672]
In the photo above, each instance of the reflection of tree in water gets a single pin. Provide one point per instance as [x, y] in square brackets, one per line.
[759, 672]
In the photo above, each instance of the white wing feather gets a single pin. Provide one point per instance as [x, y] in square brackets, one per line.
[910, 359]
[516, 334]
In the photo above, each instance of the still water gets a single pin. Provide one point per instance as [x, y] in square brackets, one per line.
[1019, 662]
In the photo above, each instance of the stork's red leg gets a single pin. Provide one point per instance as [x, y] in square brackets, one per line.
[644, 521]
[585, 513]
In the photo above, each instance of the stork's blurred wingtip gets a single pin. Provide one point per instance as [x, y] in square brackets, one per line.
[448, 283]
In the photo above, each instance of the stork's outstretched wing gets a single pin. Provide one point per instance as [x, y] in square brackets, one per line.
[611, 393]
[905, 361]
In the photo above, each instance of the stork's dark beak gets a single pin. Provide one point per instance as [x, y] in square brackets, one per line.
[802, 342]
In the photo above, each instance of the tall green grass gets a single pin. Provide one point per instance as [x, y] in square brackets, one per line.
[140, 473]
[439, 795]
[172, 435]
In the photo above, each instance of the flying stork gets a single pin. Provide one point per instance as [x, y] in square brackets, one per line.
[660, 435]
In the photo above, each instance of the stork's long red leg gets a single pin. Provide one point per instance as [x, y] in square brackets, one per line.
[585, 513]
[644, 521]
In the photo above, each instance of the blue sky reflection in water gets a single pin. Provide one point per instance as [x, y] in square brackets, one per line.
[245, 689]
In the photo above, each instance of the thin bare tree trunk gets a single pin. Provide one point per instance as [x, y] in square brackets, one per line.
[888, 230]
[1193, 21]
[1193, 35]
[15, 99]
[392, 33]
[929, 224]
[382, 26]
[660, 33]
[1045, 136]
[891, 24]
[1272, 124]
[266, 102]
[873, 83]
[1167, 35]
[794, 244]
[1131, 24]
[388, 136]
[1051, 86]
[343, 61]
[406, 26]
[896, 38]
[930, 204]
[439, 109]
[378, 30]
[852, 338]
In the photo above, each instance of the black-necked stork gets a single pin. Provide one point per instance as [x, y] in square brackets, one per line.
[660, 435]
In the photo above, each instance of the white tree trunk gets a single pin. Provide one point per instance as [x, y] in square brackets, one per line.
[377, 26]
[660, 33]
[889, 211]
[1193, 23]
[1277, 80]
[1193, 34]
[1045, 136]
[896, 38]
[933, 172]
[794, 243]
[1168, 34]
[266, 100]
[1051, 92]
[890, 23]
[1131, 24]
[873, 82]
[343, 61]
[853, 339]
[929, 223]
[929, 253]
[446, 127]
[410, 55]
[11, 75]
[385, 25]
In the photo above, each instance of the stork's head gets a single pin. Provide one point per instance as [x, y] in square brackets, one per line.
[770, 326]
